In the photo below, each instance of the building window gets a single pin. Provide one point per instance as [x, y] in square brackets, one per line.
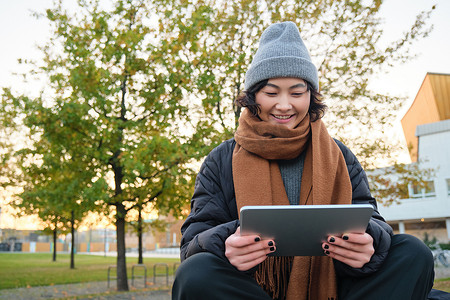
[448, 186]
[417, 191]
[429, 189]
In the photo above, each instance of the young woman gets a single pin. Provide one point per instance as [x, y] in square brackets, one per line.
[282, 154]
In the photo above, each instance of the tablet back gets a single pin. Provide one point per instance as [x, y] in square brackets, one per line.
[300, 230]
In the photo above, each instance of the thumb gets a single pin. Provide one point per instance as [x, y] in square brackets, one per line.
[238, 231]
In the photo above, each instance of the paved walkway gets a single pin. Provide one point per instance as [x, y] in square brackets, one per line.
[441, 272]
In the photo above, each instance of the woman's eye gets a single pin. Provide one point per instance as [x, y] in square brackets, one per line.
[297, 94]
[270, 94]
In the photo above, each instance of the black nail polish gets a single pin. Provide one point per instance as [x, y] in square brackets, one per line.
[326, 246]
[257, 239]
[345, 237]
[327, 252]
[272, 248]
[332, 240]
[270, 243]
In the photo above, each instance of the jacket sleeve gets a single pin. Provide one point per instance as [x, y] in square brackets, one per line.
[380, 231]
[213, 217]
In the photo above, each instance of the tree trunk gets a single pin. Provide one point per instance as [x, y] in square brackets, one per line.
[54, 243]
[72, 249]
[122, 279]
[140, 259]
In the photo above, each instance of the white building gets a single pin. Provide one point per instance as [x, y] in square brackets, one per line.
[427, 130]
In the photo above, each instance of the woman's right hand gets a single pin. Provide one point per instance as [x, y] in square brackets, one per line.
[245, 252]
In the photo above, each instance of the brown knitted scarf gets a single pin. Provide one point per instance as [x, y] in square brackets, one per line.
[257, 181]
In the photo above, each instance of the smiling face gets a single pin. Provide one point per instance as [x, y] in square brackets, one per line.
[283, 101]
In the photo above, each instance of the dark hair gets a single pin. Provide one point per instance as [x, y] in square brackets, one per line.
[248, 99]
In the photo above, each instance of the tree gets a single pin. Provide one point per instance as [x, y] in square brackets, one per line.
[139, 227]
[117, 90]
[58, 187]
[343, 39]
[140, 231]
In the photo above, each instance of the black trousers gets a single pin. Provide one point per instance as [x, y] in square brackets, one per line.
[407, 273]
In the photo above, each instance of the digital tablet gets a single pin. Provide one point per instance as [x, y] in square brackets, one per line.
[300, 230]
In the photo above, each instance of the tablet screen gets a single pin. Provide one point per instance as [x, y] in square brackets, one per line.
[300, 230]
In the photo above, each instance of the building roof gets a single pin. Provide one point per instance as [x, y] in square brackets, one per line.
[432, 128]
[432, 104]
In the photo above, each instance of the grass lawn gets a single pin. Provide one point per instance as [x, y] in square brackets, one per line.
[442, 284]
[34, 269]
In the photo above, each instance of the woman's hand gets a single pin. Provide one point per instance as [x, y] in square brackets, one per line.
[353, 249]
[245, 252]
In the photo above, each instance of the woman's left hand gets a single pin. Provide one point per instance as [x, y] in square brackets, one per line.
[353, 249]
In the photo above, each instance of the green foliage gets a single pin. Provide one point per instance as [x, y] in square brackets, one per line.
[112, 128]
[431, 243]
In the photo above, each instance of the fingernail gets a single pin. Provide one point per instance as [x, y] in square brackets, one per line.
[257, 239]
[345, 237]
[332, 240]
[270, 243]
[272, 248]
[326, 247]
[327, 252]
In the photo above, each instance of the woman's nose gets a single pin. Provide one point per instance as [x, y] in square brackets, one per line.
[283, 103]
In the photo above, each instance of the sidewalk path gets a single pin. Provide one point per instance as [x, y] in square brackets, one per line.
[441, 272]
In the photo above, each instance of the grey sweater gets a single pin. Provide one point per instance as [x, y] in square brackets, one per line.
[291, 172]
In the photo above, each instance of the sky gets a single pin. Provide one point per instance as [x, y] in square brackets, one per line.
[21, 32]
[433, 52]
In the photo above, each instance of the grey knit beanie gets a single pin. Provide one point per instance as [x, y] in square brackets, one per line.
[281, 53]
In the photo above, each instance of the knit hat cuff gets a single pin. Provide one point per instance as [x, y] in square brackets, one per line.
[282, 66]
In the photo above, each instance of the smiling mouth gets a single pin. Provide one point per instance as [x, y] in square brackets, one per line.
[282, 117]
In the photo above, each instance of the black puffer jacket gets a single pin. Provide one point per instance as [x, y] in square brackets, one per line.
[214, 215]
